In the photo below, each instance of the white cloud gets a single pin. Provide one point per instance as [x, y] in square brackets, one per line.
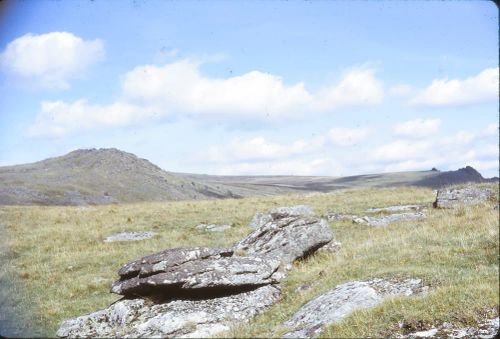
[50, 60]
[179, 89]
[401, 90]
[254, 149]
[417, 128]
[443, 92]
[490, 130]
[459, 138]
[57, 118]
[341, 136]
[314, 166]
[401, 150]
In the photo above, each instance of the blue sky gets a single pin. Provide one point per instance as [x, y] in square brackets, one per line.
[248, 87]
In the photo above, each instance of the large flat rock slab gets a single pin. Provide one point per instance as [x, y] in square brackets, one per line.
[456, 197]
[177, 318]
[287, 238]
[198, 270]
[333, 306]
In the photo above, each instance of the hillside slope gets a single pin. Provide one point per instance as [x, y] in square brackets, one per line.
[100, 176]
[97, 177]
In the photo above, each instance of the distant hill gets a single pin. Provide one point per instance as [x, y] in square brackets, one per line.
[101, 176]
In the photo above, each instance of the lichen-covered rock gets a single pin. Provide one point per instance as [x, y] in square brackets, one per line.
[456, 197]
[331, 247]
[260, 219]
[287, 238]
[276, 213]
[202, 270]
[213, 227]
[176, 318]
[396, 208]
[337, 216]
[291, 211]
[331, 307]
[387, 219]
[129, 236]
[485, 329]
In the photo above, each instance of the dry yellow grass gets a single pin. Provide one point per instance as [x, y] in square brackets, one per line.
[60, 257]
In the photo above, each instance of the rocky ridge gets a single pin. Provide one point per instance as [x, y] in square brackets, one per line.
[198, 292]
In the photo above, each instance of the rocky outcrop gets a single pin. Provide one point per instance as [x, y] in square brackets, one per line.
[198, 292]
[260, 219]
[190, 271]
[331, 307]
[286, 237]
[456, 197]
[213, 227]
[129, 236]
[176, 318]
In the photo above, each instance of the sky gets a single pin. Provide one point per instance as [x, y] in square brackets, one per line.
[254, 87]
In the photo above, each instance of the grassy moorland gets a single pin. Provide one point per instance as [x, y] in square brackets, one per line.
[59, 256]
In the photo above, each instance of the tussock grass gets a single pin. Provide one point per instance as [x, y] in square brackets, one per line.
[67, 270]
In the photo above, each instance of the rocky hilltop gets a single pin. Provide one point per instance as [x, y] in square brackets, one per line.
[101, 176]
[97, 176]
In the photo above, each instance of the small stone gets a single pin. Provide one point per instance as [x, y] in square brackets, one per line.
[129, 236]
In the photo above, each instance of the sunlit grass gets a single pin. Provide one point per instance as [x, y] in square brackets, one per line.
[67, 269]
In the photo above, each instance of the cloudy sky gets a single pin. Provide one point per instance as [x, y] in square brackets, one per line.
[248, 87]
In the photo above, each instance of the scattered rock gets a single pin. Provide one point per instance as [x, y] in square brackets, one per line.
[387, 219]
[212, 227]
[426, 334]
[190, 271]
[276, 213]
[486, 329]
[302, 288]
[336, 216]
[331, 307]
[397, 208]
[331, 247]
[177, 318]
[456, 197]
[287, 238]
[129, 236]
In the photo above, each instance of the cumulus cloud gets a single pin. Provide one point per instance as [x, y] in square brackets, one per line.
[50, 60]
[401, 90]
[417, 128]
[480, 88]
[341, 136]
[314, 166]
[57, 118]
[180, 89]
[255, 149]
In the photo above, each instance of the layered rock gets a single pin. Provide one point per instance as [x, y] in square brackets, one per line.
[336, 304]
[195, 271]
[198, 292]
[260, 219]
[177, 318]
[287, 237]
[456, 197]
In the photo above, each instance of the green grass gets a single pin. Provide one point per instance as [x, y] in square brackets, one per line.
[67, 269]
